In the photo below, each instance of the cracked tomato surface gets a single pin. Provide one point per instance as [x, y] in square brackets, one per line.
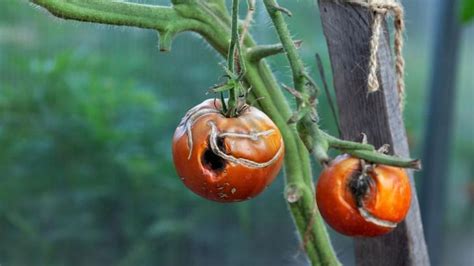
[358, 202]
[227, 159]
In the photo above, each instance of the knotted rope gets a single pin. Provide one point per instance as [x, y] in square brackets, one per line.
[380, 9]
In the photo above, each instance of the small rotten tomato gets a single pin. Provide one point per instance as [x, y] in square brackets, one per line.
[357, 199]
[227, 159]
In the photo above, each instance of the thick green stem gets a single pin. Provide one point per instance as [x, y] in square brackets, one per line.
[231, 64]
[163, 19]
[234, 35]
[376, 157]
[308, 132]
[296, 64]
[344, 144]
[260, 52]
[307, 128]
[368, 153]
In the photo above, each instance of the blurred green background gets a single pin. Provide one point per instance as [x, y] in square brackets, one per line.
[87, 113]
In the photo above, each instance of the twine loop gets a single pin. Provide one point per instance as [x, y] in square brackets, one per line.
[380, 9]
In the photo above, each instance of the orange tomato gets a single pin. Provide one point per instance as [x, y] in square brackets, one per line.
[357, 204]
[227, 159]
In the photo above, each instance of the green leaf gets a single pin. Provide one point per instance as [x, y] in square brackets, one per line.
[467, 11]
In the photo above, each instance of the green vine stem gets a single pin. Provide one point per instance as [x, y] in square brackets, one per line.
[314, 138]
[211, 20]
[231, 64]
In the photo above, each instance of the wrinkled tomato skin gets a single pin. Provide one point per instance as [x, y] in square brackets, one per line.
[230, 182]
[388, 199]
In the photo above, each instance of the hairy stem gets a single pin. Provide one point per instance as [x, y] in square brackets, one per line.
[296, 64]
[231, 54]
[260, 52]
[307, 127]
[163, 19]
[375, 157]
[319, 250]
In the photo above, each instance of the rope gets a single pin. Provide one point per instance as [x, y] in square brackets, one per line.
[380, 9]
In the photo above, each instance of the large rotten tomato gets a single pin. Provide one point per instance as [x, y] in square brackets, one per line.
[227, 159]
[359, 199]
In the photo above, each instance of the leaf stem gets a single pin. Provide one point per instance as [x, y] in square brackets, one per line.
[380, 158]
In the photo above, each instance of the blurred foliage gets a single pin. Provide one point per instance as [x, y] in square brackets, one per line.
[467, 10]
[85, 170]
[86, 147]
[87, 113]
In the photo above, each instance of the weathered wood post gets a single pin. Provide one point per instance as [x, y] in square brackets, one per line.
[347, 29]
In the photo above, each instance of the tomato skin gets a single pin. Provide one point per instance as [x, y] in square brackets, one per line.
[388, 198]
[219, 179]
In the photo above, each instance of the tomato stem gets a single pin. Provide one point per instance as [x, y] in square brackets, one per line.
[235, 63]
[373, 156]
[305, 92]
[346, 145]
[319, 252]
[231, 56]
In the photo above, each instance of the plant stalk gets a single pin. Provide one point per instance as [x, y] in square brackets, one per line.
[231, 56]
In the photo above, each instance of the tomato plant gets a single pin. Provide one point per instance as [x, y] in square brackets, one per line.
[359, 199]
[227, 159]
[230, 153]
